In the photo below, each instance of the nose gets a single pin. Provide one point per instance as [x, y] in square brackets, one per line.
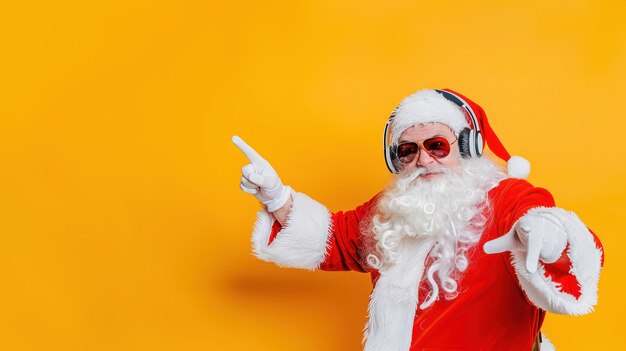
[424, 159]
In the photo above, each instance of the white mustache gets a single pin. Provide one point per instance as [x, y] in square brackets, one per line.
[421, 171]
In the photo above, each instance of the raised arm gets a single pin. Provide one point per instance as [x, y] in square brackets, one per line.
[294, 230]
[259, 178]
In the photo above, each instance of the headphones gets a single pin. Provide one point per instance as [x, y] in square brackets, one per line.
[470, 139]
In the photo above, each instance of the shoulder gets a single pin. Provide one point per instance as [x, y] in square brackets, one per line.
[518, 196]
[514, 187]
[511, 184]
[368, 206]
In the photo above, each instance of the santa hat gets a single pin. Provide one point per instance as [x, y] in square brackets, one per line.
[455, 111]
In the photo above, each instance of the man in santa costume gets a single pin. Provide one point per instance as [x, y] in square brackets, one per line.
[463, 255]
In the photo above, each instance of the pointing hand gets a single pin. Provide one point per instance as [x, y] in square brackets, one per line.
[542, 237]
[260, 179]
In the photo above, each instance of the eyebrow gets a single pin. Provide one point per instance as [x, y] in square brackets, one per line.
[434, 136]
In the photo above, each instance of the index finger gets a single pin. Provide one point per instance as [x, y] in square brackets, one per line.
[535, 241]
[507, 242]
[247, 150]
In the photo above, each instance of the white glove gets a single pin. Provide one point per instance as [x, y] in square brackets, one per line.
[260, 179]
[542, 237]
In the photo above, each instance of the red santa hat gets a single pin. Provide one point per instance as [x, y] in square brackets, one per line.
[455, 110]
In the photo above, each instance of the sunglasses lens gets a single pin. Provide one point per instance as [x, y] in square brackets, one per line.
[406, 152]
[437, 147]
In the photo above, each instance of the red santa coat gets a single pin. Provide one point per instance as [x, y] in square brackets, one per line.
[500, 306]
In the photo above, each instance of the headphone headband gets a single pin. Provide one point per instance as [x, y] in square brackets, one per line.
[465, 106]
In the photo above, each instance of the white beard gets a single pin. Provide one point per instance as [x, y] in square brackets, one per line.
[423, 226]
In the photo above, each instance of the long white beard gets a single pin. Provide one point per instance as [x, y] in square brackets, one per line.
[448, 210]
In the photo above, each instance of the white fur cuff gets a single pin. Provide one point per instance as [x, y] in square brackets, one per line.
[586, 261]
[302, 242]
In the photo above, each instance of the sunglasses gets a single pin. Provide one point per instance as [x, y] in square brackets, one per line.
[437, 147]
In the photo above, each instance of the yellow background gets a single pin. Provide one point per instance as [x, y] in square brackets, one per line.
[122, 223]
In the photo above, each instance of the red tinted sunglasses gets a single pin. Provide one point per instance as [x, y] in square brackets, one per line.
[437, 147]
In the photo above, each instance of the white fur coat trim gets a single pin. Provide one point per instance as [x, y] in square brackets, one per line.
[586, 261]
[302, 242]
[394, 300]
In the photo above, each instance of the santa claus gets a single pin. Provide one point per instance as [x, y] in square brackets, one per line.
[463, 255]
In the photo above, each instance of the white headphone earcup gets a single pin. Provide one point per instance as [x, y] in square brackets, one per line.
[479, 143]
[389, 150]
[475, 143]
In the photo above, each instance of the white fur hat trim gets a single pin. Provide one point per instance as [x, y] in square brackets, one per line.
[427, 106]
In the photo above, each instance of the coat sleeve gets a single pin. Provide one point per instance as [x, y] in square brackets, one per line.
[569, 285]
[313, 237]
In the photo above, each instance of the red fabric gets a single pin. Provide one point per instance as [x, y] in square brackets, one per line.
[276, 227]
[559, 272]
[491, 311]
[347, 239]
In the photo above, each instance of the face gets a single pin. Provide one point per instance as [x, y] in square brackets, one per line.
[421, 132]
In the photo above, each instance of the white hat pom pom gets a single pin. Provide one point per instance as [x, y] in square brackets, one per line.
[518, 167]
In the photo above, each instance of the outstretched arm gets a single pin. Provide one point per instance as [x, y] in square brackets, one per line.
[555, 257]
